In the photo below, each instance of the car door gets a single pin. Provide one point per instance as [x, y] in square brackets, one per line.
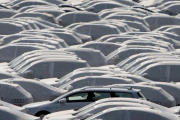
[75, 101]
[109, 115]
[41, 70]
[158, 73]
[174, 73]
[143, 115]
[7, 53]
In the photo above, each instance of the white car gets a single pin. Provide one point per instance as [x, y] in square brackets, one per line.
[39, 90]
[171, 88]
[91, 111]
[73, 75]
[94, 81]
[161, 20]
[51, 67]
[133, 113]
[7, 28]
[174, 110]
[68, 18]
[14, 94]
[7, 13]
[93, 30]
[114, 57]
[102, 46]
[11, 114]
[153, 71]
[97, 7]
[13, 107]
[94, 58]
[11, 51]
[135, 78]
[43, 16]
[152, 93]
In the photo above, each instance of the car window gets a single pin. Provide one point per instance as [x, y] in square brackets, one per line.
[101, 95]
[137, 115]
[174, 73]
[62, 68]
[106, 115]
[123, 94]
[78, 97]
[7, 53]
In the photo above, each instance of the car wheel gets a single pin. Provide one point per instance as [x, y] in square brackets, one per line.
[42, 114]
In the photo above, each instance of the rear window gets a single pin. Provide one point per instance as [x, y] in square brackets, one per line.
[123, 94]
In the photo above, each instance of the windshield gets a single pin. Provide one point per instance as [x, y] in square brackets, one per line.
[96, 115]
[20, 66]
[85, 111]
[141, 95]
[64, 78]
[17, 62]
[14, 60]
[139, 71]
[112, 54]
[66, 84]
[87, 106]
[24, 69]
[120, 64]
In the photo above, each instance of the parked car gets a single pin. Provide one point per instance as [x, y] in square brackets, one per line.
[11, 114]
[12, 107]
[133, 113]
[94, 81]
[78, 98]
[93, 110]
[121, 54]
[39, 90]
[97, 7]
[102, 46]
[14, 94]
[171, 88]
[88, 107]
[51, 68]
[161, 71]
[73, 75]
[152, 93]
[66, 19]
[92, 30]
[94, 58]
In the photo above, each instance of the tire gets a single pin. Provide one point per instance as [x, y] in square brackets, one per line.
[41, 114]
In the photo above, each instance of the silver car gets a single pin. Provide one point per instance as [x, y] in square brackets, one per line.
[79, 98]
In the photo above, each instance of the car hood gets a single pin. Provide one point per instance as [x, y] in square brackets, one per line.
[65, 112]
[36, 104]
[62, 117]
[175, 110]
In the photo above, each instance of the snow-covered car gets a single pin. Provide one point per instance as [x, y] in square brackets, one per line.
[14, 94]
[39, 90]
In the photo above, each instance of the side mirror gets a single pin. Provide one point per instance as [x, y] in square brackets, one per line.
[113, 59]
[145, 75]
[86, 116]
[60, 21]
[62, 101]
[91, 9]
[69, 87]
[28, 73]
